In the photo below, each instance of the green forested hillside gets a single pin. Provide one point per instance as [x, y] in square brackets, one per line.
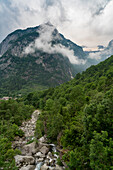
[12, 114]
[78, 115]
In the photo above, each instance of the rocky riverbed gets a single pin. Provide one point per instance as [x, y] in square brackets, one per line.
[35, 155]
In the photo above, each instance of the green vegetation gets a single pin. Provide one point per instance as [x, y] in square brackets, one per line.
[12, 114]
[59, 162]
[79, 116]
[24, 74]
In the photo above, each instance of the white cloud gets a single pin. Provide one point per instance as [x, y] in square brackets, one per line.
[103, 24]
[96, 55]
[103, 54]
[86, 22]
[44, 43]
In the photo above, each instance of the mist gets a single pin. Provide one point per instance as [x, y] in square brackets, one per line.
[44, 43]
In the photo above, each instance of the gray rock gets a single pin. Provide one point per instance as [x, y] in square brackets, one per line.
[40, 160]
[21, 160]
[46, 161]
[58, 167]
[52, 162]
[42, 139]
[29, 167]
[39, 155]
[28, 149]
[49, 155]
[40, 145]
[44, 150]
[44, 167]
[34, 151]
[51, 168]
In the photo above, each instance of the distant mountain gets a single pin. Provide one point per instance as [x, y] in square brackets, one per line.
[38, 57]
[94, 57]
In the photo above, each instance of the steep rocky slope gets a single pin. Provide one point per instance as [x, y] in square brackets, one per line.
[34, 155]
[38, 57]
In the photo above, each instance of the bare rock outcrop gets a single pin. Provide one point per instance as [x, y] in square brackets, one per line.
[34, 156]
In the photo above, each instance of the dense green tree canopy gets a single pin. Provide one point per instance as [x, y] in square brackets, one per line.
[79, 116]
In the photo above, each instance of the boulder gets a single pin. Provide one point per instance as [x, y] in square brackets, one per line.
[46, 161]
[24, 160]
[51, 168]
[39, 160]
[58, 167]
[44, 150]
[34, 151]
[29, 167]
[42, 139]
[28, 149]
[52, 162]
[44, 167]
[40, 145]
[49, 155]
[39, 155]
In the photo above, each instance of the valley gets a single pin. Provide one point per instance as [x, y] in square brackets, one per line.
[56, 106]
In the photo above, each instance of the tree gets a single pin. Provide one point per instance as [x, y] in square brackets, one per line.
[100, 147]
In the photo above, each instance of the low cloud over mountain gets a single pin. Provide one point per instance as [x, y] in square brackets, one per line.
[102, 53]
[48, 34]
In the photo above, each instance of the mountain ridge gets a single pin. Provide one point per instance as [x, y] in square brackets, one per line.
[38, 56]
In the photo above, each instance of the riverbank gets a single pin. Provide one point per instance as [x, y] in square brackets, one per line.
[35, 155]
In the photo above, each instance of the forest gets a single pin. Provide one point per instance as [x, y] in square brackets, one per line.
[12, 113]
[77, 116]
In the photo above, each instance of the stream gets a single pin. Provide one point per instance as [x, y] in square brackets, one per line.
[41, 156]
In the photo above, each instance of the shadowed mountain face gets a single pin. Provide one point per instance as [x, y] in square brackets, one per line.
[38, 56]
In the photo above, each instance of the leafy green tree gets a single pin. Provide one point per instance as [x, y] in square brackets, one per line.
[49, 104]
[54, 126]
[99, 151]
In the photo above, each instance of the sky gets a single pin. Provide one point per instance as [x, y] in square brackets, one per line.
[86, 22]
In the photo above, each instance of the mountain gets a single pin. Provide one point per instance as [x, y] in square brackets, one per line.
[94, 57]
[38, 57]
[78, 116]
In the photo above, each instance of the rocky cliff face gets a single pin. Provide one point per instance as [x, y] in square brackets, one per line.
[38, 56]
[11, 38]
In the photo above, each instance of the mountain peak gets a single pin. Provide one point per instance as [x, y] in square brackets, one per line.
[47, 27]
[49, 23]
[110, 43]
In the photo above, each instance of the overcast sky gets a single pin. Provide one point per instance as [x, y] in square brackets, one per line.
[86, 22]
